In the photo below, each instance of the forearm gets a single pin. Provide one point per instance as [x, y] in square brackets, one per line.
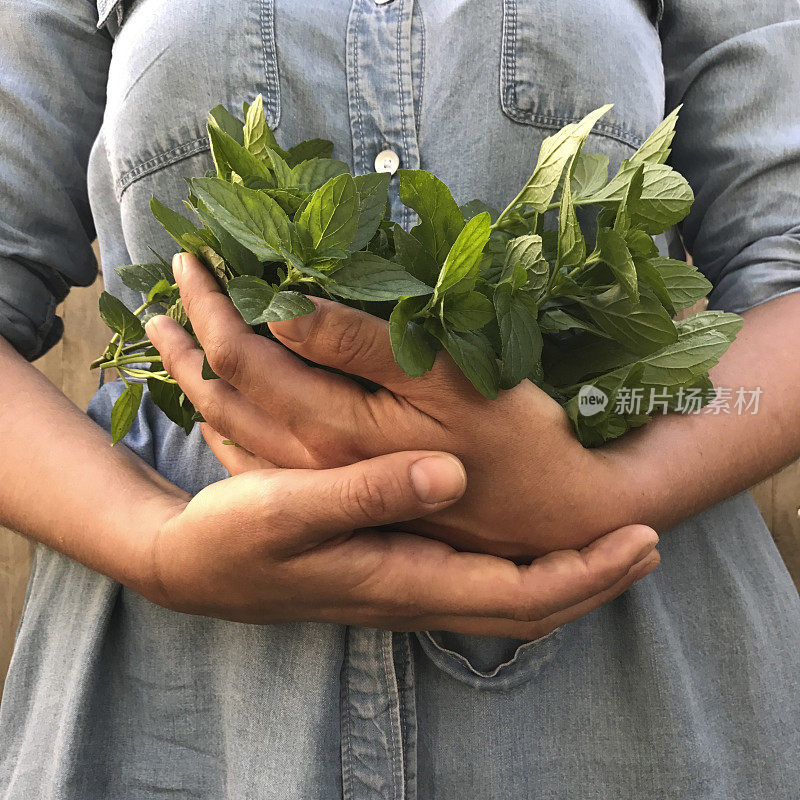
[63, 485]
[680, 464]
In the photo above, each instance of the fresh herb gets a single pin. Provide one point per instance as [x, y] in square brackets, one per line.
[512, 295]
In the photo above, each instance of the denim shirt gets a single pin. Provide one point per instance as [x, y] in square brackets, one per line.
[684, 687]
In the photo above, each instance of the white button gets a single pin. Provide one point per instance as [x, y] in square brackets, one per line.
[382, 2]
[387, 161]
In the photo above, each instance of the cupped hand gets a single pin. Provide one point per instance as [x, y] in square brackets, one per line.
[532, 487]
[276, 545]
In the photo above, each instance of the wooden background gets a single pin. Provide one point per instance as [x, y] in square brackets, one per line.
[85, 337]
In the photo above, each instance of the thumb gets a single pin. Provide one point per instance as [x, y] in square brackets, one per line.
[380, 491]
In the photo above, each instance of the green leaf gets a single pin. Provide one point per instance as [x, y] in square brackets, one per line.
[251, 296]
[463, 259]
[413, 347]
[240, 259]
[163, 290]
[641, 327]
[691, 356]
[305, 151]
[120, 319]
[143, 277]
[251, 217]
[288, 305]
[527, 252]
[521, 339]
[257, 136]
[721, 321]
[617, 257]
[665, 200]
[467, 311]
[440, 219]
[656, 148]
[554, 154]
[475, 207]
[225, 121]
[414, 256]
[178, 227]
[258, 302]
[123, 413]
[474, 356]
[571, 244]
[281, 170]
[627, 211]
[366, 276]
[556, 320]
[330, 219]
[589, 174]
[373, 191]
[684, 282]
[648, 273]
[206, 372]
[169, 397]
[229, 156]
[311, 175]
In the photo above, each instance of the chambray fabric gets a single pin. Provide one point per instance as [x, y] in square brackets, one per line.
[687, 686]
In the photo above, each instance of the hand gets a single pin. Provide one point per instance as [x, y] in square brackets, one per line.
[532, 487]
[274, 545]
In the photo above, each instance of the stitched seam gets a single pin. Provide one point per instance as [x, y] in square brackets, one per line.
[347, 776]
[270, 58]
[160, 161]
[396, 736]
[400, 93]
[610, 130]
[358, 160]
[421, 65]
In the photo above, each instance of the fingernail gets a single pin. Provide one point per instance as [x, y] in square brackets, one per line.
[177, 265]
[647, 547]
[151, 326]
[439, 478]
[295, 330]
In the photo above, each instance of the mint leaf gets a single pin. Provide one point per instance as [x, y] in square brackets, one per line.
[225, 121]
[251, 296]
[440, 219]
[526, 251]
[330, 220]
[463, 258]
[641, 328]
[122, 321]
[366, 276]
[520, 337]
[617, 257]
[467, 311]
[413, 347]
[373, 191]
[305, 151]
[257, 136]
[258, 302]
[123, 413]
[684, 282]
[721, 321]
[143, 277]
[656, 148]
[178, 227]
[589, 174]
[414, 256]
[556, 151]
[251, 217]
[571, 244]
[311, 175]
[230, 156]
[474, 356]
[169, 397]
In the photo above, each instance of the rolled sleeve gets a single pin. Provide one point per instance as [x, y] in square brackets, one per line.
[734, 66]
[53, 67]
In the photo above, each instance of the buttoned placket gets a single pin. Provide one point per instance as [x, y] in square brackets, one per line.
[378, 716]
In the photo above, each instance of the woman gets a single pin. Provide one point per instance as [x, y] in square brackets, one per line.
[684, 687]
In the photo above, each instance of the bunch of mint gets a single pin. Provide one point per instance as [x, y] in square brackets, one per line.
[508, 297]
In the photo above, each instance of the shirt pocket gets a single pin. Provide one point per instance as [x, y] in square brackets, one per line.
[560, 59]
[171, 63]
